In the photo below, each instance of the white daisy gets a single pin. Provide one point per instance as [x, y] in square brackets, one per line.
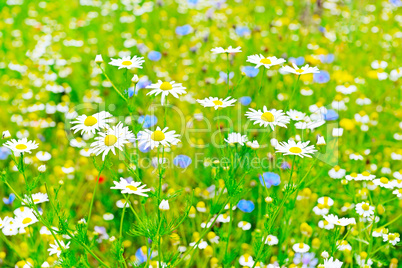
[301, 248]
[246, 260]
[26, 218]
[55, 248]
[112, 138]
[230, 49]
[392, 238]
[43, 156]
[267, 62]
[331, 263]
[303, 70]
[21, 146]
[292, 148]
[126, 62]
[152, 139]
[92, 123]
[271, 240]
[235, 137]
[384, 182]
[333, 219]
[166, 88]
[130, 188]
[267, 117]
[364, 209]
[397, 192]
[37, 198]
[244, 225]
[296, 115]
[337, 172]
[217, 102]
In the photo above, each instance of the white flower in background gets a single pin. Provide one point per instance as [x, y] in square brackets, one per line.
[292, 148]
[6, 134]
[253, 145]
[36, 198]
[43, 156]
[246, 260]
[220, 50]
[333, 219]
[166, 88]
[25, 218]
[392, 238]
[301, 248]
[384, 182]
[164, 205]
[130, 187]
[92, 123]
[98, 58]
[112, 139]
[364, 209]
[271, 240]
[244, 225]
[299, 71]
[21, 146]
[331, 263]
[267, 117]
[337, 172]
[42, 168]
[216, 102]
[235, 137]
[152, 139]
[127, 62]
[296, 115]
[55, 248]
[267, 62]
[321, 140]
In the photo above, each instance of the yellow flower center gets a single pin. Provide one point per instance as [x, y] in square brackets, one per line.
[132, 188]
[268, 117]
[90, 121]
[337, 168]
[384, 180]
[166, 86]
[295, 150]
[36, 200]
[299, 71]
[265, 61]
[301, 245]
[26, 220]
[110, 140]
[21, 146]
[365, 207]
[354, 175]
[246, 256]
[391, 237]
[158, 135]
[366, 173]
[217, 102]
[269, 239]
[126, 63]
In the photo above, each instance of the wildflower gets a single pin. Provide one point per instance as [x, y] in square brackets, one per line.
[36, 198]
[220, 50]
[25, 218]
[246, 260]
[333, 219]
[269, 179]
[217, 102]
[235, 137]
[130, 188]
[164, 205]
[55, 248]
[182, 161]
[271, 240]
[43, 156]
[321, 140]
[244, 225]
[42, 168]
[6, 134]
[295, 70]
[21, 146]
[397, 192]
[296, 115]
[331, 263]
[384, 182]
[98, 58]
[364, 209]
[128, 62]
[166, 88]
[246, 205]
[267, 62]
[92, 123]
[112, 139]
[301, 248]
[135, 79]
[267, 117]
[253, 145]
[152, 139]
[392, 238]
[292, 148]
[337, 172]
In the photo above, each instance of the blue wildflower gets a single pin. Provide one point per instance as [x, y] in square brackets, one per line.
[154, 55]
[321, 77]
[250, 71]
[270, 179]
[245, 100]
[224, 76]
[141, 255]
[331, 115]
[149, 120]
[246, 206]
[4, 153]
[184, 30]
[182, 161]
[242, 31]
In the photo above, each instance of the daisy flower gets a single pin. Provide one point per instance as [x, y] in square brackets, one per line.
[299, 71]
[296, 115]
[397, 192]
[21, 146]
[337, 172]
[364, 209]
[333, 219]
[301, 248]
[392, 238]
[244, 225]
[331, 263]
[292, 148]
[37, 198]
[230, 49]
[267, 117]
[217, 102]
[246, 260]
[112, 138]
[384, 182]
[271, 240]
[55, 248]
[130, 188]
[235, 137]
[267, 62]
[166, 88]
[126, 62]
[26, 218]
[92, 123]
[152, 139]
